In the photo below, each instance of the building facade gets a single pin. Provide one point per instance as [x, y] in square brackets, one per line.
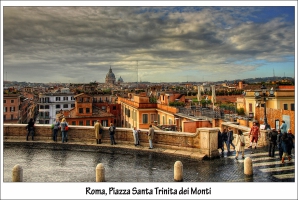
[51, 104]
[11, 108]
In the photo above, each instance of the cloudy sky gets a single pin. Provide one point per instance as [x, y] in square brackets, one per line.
[166, 43]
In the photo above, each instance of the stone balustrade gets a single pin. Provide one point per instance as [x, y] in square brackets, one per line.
[204, 141]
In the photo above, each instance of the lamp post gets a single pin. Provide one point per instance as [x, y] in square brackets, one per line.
[264, 95]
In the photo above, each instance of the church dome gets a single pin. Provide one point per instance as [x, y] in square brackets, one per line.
[120, 80]
[110, 77]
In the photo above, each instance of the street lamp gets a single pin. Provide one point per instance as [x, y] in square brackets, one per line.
[258, 96]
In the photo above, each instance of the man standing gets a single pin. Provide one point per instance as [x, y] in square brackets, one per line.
[135, 133]
[254, 134]
[230, 138]
[55, 129]
[272, 142]
[283, 127]
[112, 133]
[150, 136]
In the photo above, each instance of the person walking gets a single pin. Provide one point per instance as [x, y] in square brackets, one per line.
[220, 142]
[272, 142]
[280, 151]
[98, 132]
[151, 136]
[224, 136]
[285, 146]
[240, 143]
[63, 125]
[112, 133]
[254, 134]
[30, 129]
[135, 133]
[55, 129]
[230, 138]
[283, 127]
[291, 139]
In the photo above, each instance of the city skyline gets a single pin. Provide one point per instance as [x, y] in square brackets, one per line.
[147, 43]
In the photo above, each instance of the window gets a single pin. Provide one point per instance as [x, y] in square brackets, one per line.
[285, 106]
[11, 117]
[114, 107]
[145, 118]
[41, 107]
[5, 109]
[4, 117]
[12, 101]
[152, 118]
[57, 106]
[57, 98]
[81, 123]
[72, 105]
[12, 109]
[65, 105]
[292, 106]
[47, 114]
[4, 101]
[73, 123]
[47, 121]
[158, 119]
[163, 120]
[170, 121]
[87, 110]
[65, 98]
[87, 122]
[80, 110]
[72, 98]
[41, 114]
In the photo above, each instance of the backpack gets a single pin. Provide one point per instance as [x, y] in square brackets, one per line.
[112, 128]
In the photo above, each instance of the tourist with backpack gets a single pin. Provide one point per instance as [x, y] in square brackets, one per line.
[112, 133]
[272, 142]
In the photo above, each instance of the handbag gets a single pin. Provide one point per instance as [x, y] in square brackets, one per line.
[66, 127]
[242, 144]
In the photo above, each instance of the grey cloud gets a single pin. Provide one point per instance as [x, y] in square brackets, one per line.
[84, 39]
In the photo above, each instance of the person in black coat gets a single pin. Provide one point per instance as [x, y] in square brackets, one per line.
[291, 138]
[272, 142]
[220, 144]
[30, 128]
[279, 134]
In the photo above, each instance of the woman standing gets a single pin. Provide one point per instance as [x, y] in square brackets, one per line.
[64, 132]
[240, 143]
[98, 132]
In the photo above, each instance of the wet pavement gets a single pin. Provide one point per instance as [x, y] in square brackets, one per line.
[52, 162]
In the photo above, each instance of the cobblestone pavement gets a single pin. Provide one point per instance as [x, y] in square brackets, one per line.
[148, 165]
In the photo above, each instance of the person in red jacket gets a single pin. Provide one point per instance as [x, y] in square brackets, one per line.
[254, 134]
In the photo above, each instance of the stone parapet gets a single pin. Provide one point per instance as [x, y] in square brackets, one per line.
[204, 141]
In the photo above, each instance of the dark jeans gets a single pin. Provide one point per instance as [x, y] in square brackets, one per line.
[55, 133]
[271, 149]
[112, 139]
[64, 136]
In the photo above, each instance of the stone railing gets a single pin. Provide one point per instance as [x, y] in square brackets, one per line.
[203, 141]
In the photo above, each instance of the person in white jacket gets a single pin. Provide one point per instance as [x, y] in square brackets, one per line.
[239, 140]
